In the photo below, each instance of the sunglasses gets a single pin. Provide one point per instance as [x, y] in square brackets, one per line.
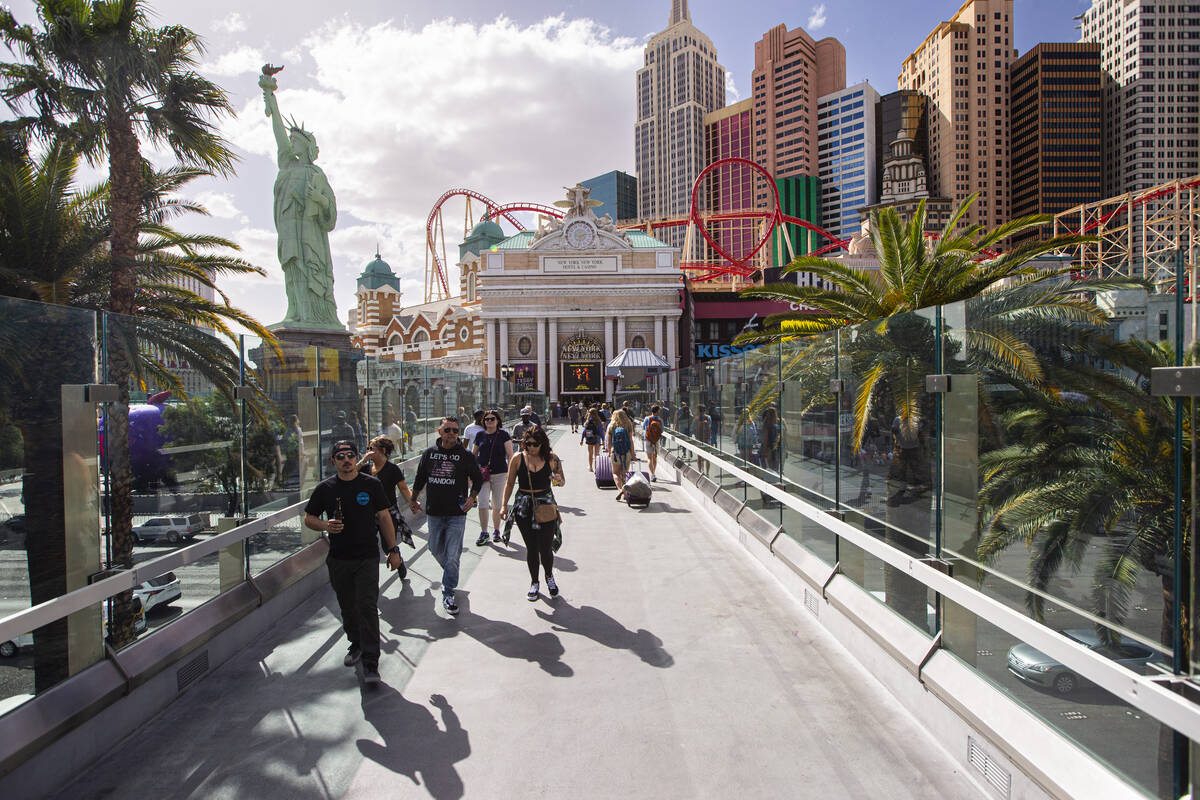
[490, 419]
[345, 456]
[449, 430]
[530, 444]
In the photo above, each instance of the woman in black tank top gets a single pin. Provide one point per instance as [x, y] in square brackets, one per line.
[533, 473]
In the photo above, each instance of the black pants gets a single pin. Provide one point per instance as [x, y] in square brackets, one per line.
[538, 545]
[356, 583]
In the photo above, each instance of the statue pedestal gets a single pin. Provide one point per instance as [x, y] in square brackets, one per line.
[310, 337]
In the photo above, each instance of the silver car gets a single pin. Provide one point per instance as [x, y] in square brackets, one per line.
[1035, 667]
[173, 529]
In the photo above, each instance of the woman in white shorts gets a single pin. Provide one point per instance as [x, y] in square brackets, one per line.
[493, 448]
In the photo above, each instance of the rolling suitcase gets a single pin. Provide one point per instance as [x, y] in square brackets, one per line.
[604, 476]
[638, 490]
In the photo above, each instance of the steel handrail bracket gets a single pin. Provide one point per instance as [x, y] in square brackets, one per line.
[1142, 692]
[29, 619]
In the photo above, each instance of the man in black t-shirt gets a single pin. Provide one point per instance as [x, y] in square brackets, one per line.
[446, 469]
[354, 506]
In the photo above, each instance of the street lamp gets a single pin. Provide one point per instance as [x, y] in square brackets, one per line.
[506, 371]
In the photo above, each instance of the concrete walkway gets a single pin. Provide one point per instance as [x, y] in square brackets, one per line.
[671, 666]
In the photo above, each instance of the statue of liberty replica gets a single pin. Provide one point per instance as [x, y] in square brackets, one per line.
[305, 213]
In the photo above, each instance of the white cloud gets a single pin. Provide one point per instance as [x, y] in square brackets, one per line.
[219, 204]
[402, 114]
[238, 61]
[817, 18]
[234, 23]
[731, 92]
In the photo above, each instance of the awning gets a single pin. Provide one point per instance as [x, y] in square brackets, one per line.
[635, 358]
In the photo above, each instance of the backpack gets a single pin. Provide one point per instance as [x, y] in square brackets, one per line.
[654, 430]
[620, 441]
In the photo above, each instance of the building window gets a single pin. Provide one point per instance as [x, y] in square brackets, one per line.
[524, 345]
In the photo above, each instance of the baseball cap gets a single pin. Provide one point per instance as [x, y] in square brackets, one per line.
[527, 410]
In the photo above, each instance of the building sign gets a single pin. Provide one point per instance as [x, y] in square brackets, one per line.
[582, 377]
[580, 264]
[525, 377]
[581, 348]
[722, 350]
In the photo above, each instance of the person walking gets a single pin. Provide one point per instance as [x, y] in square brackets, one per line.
[355, 507]
[593, 436]
[518, 431]
[533, 472]
[768, 448]
[618, 442]
[573, 413]
[652, 429]
[704, 434]
[377, 463]
[446, 467]
[683, 418]
[493, 449]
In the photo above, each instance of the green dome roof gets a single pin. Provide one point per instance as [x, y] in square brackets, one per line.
[487, 228]
[485, 234]
[378, 273]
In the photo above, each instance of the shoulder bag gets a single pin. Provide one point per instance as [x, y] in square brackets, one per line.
[543, 510]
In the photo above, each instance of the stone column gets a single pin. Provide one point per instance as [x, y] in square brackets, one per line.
[672, 358]
[504, 341]
[541, 355]
[658, 337]
[609, 355]
[622, 339]
[553, 344]
[493, 364]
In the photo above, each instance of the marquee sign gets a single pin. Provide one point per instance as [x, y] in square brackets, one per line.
[525, 377]
[581, 348]
[580, 264]
[582, 377]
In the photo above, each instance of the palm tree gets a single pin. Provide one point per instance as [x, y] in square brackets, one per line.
[52, 250]
[97, 74]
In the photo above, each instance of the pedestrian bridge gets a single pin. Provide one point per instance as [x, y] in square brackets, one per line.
[697, 649]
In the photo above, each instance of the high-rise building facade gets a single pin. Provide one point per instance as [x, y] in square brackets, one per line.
[1056, 129]
[617, 193]
[791, 71]
[680, 82]
[1150, 58]
[902, 112]
[729, 133]
[963, 67]
[846, 156]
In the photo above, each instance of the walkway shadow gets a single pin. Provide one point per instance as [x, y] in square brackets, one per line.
[511, 641]
[414, 616]
[659, 507]
[572, 510]
[413, 744]
[594, 624]
[517, 552]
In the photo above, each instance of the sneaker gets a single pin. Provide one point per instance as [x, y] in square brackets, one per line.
[496, 536]
[449, 604]
[654, 478]
[352, 656]
[482, 540]
[552, 587]
[532, 594]
[371, 674]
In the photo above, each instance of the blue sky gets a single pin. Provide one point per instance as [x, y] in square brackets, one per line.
[409, 98]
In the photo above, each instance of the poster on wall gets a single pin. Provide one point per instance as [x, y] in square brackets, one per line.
[582, 377]
[525, 377]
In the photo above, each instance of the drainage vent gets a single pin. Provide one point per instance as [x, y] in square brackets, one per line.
[191, 671]
[996, 776]
[810, 602]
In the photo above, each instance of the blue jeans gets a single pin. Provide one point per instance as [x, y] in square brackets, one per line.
[445, 542]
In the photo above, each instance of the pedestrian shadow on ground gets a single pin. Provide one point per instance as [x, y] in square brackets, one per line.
[416, 617]
[659, 507]
[413, 744]
[572, 510]
[594, 624]
[517, 552]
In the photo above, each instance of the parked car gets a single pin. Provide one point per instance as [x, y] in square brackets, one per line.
[11, 647]
[173, 529]
[158, 591]
[1035, 667]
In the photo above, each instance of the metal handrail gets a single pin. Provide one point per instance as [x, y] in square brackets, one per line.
[1142, 692]
[29, 619]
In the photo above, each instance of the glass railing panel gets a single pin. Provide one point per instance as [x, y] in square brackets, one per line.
[1120, 736]
[281, 540]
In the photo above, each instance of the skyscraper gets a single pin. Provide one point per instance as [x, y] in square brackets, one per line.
[679, 83]
[729, 133]
[1056, 129]
[1150, 57]
[846, 156]
[963, 67]
[906, 112]
[617, 191]
[790, 72]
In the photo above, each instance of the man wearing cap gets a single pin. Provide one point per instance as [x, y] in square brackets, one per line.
[446, 468]
[354, 506]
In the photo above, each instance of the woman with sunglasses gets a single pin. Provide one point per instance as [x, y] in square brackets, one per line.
[533, 472]
[377, 463]
[493, 449]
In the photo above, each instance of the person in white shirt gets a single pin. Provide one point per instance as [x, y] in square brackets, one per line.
[476, 427]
